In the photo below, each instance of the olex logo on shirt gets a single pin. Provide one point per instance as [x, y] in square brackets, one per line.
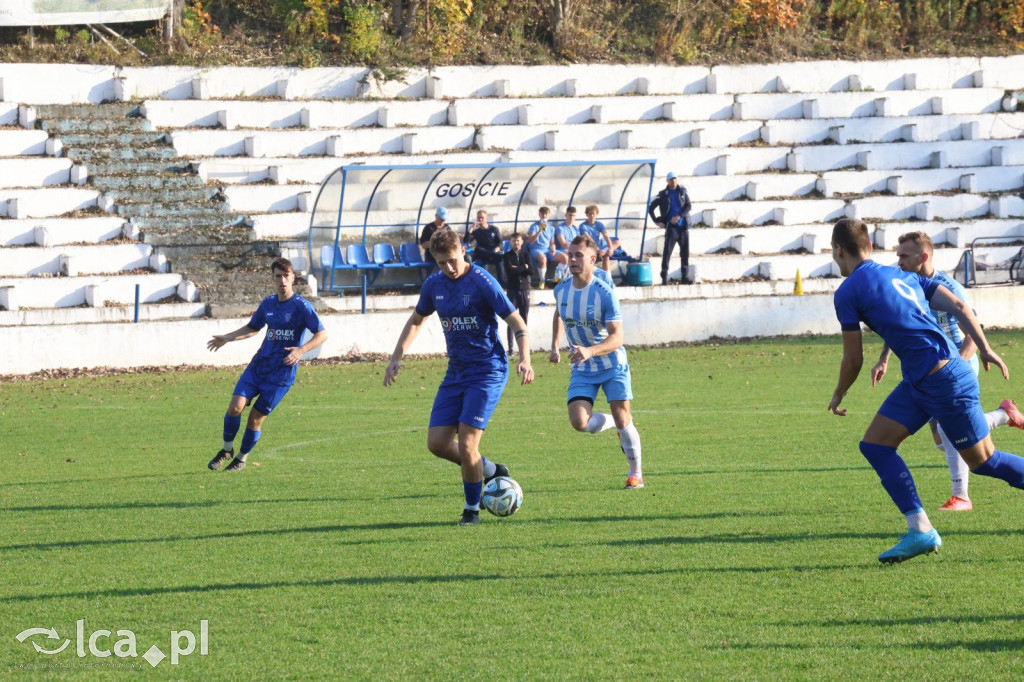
[104, 644]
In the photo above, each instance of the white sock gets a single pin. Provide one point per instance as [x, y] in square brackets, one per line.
[959, 472]
[629, 438]
[230, 445]
[997, 418]
[489, 468]
[919, 522]
[599, 422]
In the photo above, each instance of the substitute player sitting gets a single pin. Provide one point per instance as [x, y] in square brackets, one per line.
[271, 372]
[937, 383]
[915, 254]
[588, 308]
[468, 300]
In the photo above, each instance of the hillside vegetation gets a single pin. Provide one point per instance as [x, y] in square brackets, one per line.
[390, 34]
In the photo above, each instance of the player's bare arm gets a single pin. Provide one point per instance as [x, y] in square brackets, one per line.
[556, 339]
[943, 299]
[296, 352]
[849, 369]
[882, 366]
[219, 340]
[524, 369]
[405, 339]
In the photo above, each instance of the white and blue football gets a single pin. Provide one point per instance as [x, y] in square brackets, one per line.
[502, 496]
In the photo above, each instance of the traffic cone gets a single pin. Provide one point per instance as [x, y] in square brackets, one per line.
[798, 288]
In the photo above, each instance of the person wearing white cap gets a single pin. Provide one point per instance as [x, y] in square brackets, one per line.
[440, 220]
[671, 210]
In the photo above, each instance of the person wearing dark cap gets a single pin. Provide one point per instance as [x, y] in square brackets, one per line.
[671, 210]
[440, 220]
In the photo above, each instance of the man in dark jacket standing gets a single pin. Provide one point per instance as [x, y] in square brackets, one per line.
[671, 210]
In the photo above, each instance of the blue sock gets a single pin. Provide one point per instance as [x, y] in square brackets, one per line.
[1005, 466]
[249, 440]
[473, 491]
[895, 476]
[231, 425]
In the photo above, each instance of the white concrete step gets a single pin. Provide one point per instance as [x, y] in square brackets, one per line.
[149, 312]
[34, 172]
[270, 143]
[66, 292]
[53, 231]
[74, 260]
[42, 203]
[18, 142]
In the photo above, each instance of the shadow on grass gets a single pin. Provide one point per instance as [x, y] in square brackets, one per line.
[71, 544]
[794, 537]
[981, 645]
[207, 503]
[403, 580]
[959, 618]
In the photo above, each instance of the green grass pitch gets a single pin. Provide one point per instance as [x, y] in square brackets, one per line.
[750, 554]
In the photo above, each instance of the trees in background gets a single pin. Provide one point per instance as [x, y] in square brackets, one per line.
[396, 33]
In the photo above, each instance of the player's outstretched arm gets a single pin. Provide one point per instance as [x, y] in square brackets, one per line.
[849, 369]
[945, 300]
[219, 340]
[295, 353]
[405, 339]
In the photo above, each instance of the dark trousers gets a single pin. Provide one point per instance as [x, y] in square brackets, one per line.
[521, 300]
[495, 258]
[676, 235]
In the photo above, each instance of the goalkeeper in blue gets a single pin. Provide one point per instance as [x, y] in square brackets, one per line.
[469, 301]
[937, 383]
[588, 308]
[271, 372]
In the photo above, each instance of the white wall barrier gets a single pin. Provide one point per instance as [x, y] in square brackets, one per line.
[27, 349]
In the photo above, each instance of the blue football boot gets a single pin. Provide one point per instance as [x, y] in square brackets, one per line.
[911, 545]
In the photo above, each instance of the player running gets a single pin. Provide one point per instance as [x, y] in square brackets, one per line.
[271, 372]
[915, 253]
[468, 300]
[936, 383]
[588, 308]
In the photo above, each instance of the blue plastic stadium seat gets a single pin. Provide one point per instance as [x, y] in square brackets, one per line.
[384, 256]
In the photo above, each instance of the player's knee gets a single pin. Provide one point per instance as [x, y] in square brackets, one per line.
[578, 423]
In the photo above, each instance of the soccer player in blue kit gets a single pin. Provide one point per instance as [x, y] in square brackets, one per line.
[936, 383]
[915, 253]
[587, 306]
[468, 300]
[271, 372]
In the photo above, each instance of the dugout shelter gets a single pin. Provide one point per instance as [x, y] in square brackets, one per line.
[360, 208]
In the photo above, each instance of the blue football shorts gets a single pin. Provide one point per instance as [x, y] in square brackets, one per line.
[270, 395]
[467, 400]
[615, 382]
[951, 396]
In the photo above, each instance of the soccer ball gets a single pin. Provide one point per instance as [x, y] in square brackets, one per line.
[502, 496]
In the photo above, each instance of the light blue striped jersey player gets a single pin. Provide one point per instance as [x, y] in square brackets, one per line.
[586, 313]
[948, 322]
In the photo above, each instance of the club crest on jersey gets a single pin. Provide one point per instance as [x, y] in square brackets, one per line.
[460, 324]
[281, 334]
[465, 300]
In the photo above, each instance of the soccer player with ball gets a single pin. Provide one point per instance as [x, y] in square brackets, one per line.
[271, 372]
[468, 300]
[937, 383]
[588, 308]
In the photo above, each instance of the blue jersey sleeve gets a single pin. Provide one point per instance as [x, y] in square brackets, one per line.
[259, 318]
[425, 306]
[313, 322]
[495, 296]
[930, 286]
[846, 310]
